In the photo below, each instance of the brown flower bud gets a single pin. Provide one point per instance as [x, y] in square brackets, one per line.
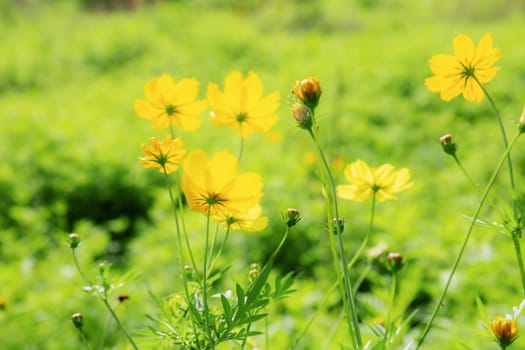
[302, 115]
[78, 320]
[394, 261]
[292, 217]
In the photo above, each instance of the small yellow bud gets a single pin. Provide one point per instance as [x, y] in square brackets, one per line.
[308, 91]
[505, 330]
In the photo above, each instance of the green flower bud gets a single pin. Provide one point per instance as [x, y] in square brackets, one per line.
[74, 240]
[292, 217]
[394, 261]
[449, 144]
[78, 320]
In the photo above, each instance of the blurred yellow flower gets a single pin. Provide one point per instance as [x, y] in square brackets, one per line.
[466, 70]
[166, 155]
[504, 330]
[273, 137]
[241, 105]
[168, 102]
[383, 182]
[309, 158]
[214, 185]
[250, 221]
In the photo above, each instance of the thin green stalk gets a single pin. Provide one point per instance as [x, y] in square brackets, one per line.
[205, 281]
[331, 194]
[368, 234]
[84, 339]
[517, 249]
[212, 245]
[75, 259]
[502, 130]
[117, 320]
[104, 333]
[465, 172]
[391, 304]
[466, 239]
[185, 233]
[516, 242]
[219, 252]
[241, 149]
[179, 246]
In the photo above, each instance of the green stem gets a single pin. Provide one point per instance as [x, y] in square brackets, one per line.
[517, 249]
[75, 259]
[219, 252]
[185, 233]
[389, 322]
[84, 340]
[332, 196]
[466, 239]
[205, 281]
[179, 246]
[502, 130]
[465, 172]
[241, 149]
[368, 234]
[117, 320]
[516, 242]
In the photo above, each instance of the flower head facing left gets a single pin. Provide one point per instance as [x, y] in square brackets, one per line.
[165, 155]
[168, 102]
[383, 182]
[214, 186]
[241, 105]
[466, 71]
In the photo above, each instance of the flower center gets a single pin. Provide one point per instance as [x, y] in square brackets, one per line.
[375, 188]
[170, 110]
[242, 118]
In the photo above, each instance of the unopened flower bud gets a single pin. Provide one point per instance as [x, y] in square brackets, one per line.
[302, 115]
[394, 261]
[308, 91]
[339, 225]
[505, 330]
[78, 320]
[74, 240]
[449, 144]
[292, 217]
[188, 272]
[253, 272]
[521, 122]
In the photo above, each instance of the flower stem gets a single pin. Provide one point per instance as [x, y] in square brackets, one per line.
[241, 149]
[331, 196]
[219, 252]
[367, 237]
[465, 172]
[179, 245]
[392, 298]
[121, 326]
[517, 249]
[466, 239]
[205, 281]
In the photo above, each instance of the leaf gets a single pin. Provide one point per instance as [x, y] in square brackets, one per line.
[482, 312]
[227, 309]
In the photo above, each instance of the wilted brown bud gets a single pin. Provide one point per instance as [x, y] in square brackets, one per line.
[302, 115]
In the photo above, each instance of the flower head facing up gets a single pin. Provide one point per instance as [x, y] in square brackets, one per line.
[241, 106]
[504, 330]
[165, 155]
[250, 221]
[214, 186]
[466, 70]
[383, 182]
[168, 102]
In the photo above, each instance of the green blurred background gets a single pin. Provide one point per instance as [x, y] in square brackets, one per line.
[70, 71]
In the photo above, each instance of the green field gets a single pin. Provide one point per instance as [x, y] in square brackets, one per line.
[70, 73]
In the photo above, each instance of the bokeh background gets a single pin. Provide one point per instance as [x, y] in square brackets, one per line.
[70, 71]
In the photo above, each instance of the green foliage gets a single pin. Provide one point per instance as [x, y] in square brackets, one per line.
[68, 78]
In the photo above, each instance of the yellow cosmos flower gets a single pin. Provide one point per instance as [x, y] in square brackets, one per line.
[464, 71]
[215, 186]
[166, 155]
[168, 102]
[504, 330]
[383, 182]
[241, 105]
[251, 221]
